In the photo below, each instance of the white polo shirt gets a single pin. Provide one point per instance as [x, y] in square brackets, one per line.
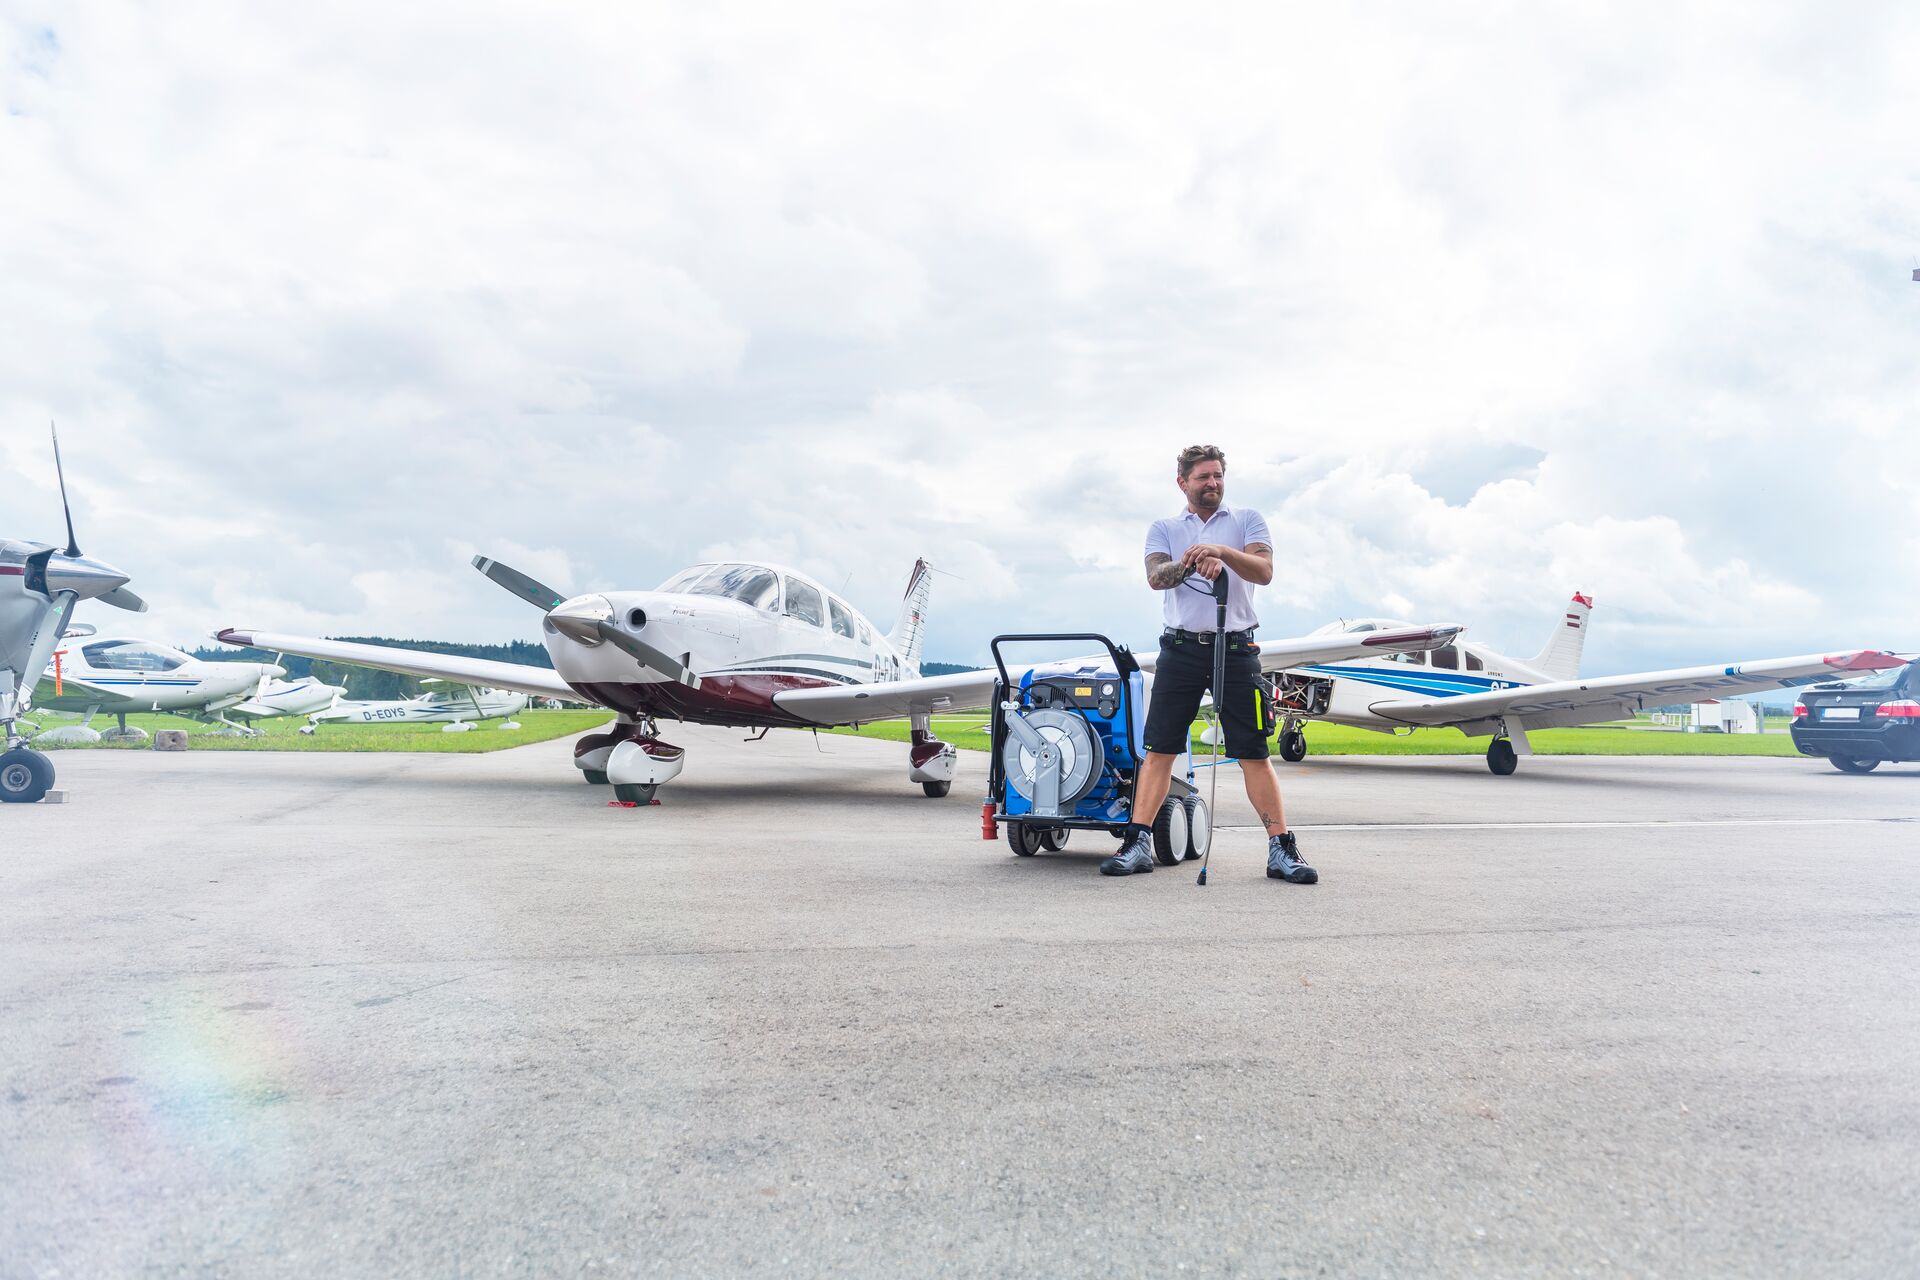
[1190, 605]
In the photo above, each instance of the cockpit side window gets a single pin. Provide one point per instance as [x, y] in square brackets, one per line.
[1448, 659]
[842, 619]
[803, 602]
[1473, 661]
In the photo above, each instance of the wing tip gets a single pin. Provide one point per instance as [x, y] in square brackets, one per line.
[1863, 660]
[234, 636]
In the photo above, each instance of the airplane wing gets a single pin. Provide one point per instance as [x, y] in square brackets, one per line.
[78, 694]
[1589, 701]
[973, 690]
[409, 662]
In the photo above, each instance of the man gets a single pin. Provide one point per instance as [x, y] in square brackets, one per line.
[1205, 540]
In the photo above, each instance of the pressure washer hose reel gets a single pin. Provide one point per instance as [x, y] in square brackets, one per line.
[1052, 758]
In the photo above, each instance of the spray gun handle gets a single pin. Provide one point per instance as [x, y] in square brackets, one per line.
[1220, 585]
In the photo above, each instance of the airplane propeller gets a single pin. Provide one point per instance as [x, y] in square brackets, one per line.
[73, 571]
[589, 625]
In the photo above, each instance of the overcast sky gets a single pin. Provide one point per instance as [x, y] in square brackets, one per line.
[1485, 305]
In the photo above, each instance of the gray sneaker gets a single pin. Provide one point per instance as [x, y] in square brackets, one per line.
[1132, 860]
[1283, 861]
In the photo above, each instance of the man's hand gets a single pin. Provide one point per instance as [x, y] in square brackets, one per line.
[1203, 551]
[1209, 567]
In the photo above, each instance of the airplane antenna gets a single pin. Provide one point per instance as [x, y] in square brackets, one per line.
[73, 544]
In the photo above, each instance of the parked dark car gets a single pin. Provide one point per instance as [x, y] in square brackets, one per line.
[1858, 724]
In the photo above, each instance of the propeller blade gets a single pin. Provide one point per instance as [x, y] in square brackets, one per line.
[73, 544]
[538, 594]
[121, 598]
[672, 668]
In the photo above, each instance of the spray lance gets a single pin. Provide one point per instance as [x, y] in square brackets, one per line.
[1219, 698]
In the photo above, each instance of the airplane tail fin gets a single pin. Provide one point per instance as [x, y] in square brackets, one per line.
[910, 628]
[1560, 659]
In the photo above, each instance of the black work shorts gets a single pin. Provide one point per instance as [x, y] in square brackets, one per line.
[1182, 675]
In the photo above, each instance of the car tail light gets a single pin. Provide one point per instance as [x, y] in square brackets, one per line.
[1799, 711]
[1905, 709]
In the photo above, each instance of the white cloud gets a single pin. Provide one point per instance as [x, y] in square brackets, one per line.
[1484, 307]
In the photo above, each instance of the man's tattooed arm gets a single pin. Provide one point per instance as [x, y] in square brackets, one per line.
[1164, 572]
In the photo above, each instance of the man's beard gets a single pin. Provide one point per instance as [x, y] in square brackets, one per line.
[1205, 501]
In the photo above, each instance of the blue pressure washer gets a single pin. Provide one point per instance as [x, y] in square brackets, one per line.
[1066, 753]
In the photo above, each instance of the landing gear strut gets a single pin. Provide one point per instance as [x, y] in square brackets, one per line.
[930, 762]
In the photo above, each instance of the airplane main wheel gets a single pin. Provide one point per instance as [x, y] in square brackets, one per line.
[1170, 833]
[635, 792]
[1025, 840]
[935, 790]
[24, 776]
[1501, 757]
[595, 777]
[1293, 746]
[1846, 765]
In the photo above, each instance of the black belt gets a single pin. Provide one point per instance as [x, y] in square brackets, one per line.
[1180, 635]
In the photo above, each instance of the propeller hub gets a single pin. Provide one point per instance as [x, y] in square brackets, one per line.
[85, 577]
[579, 619]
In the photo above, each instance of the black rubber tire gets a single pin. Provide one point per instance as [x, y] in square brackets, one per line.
[1023, 839]
[595, 777]
[935, 790]
[24, 776]
[1501, 757]
[1054, 839]
[1846, 765]
[1170, 833]
[635, 792]
[1293, 747]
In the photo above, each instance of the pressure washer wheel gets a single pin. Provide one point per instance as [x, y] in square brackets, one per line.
[1025, 840]
[1501, 757]
[1199, 827]
[1053, 839]
[1170, 833]
[635, 792]
[935, 790]
[24, 776]
[595, 777]
[1293, 746]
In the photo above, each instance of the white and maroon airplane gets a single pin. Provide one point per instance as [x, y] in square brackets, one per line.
[1476, 690]
[751, 645]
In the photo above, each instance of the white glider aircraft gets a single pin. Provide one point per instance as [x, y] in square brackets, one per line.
[1470, 687]
[121, 676]
[455, 710]
[750, 645]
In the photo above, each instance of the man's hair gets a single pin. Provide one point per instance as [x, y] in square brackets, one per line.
[1195, 454]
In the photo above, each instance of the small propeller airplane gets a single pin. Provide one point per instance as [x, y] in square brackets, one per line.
[1470, 687]
[455, 710]
[750, 645]
[122, 675]
[39, 587]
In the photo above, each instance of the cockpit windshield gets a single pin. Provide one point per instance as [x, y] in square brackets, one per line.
[683, 581]
[747, 583]
[131, 655]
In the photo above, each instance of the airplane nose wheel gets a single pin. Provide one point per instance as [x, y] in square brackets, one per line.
[1293, 746]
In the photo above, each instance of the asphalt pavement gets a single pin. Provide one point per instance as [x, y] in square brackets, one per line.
[454, 1015]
